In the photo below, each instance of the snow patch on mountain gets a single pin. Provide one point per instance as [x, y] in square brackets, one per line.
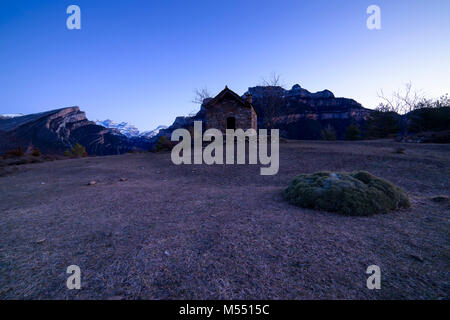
[128, 130]
[152, 133]
[124, 128]
[10, 115]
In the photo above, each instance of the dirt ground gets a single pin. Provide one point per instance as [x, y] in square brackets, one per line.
[221, 232]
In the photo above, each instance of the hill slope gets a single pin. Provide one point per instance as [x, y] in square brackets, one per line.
[57, 130]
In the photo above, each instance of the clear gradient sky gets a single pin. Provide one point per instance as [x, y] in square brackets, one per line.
[139, 61]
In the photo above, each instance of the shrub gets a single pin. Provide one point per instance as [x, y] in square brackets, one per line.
[328, 133]
[14, 153]
[36, 152]
[381, 124]
[67, 153]
[354, 194]
[79, 151]
[352, 132]
[163, 144]
[429, 119]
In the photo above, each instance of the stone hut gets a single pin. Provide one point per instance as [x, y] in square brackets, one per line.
[229, 111]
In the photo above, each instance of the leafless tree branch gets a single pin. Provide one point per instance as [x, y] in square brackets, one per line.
[272, 100]
[274, 80]
[401, 101]
[200, 95]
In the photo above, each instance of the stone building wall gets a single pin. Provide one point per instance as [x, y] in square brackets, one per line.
[217, 115]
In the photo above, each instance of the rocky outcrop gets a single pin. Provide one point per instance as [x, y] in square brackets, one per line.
[181, 122]
[300, 114]
[57, 130]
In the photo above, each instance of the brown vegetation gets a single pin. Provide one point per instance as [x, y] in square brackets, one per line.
[163, 144]
[14, 153]
[221, 232]
[79, 151]
[36, 152]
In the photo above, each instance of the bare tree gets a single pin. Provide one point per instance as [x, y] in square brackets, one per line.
[402, 101]
[274, 80]
[271, 100]
[200, 95]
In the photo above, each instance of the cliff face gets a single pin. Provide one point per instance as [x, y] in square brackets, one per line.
[300, 114]
[57, 130]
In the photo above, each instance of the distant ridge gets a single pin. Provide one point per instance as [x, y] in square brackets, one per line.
[124, 128]
[10, 115]
[57, 130]
[129, 130]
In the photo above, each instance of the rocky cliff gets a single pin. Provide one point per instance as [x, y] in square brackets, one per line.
[300, 114]
[57, 130]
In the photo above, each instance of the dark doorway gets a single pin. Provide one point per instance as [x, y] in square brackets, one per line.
[231, 123]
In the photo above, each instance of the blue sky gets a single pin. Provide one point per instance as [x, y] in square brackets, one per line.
[140, 61]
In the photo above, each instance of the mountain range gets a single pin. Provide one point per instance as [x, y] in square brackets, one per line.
[55, 131]
[128, 130]
[299, 114]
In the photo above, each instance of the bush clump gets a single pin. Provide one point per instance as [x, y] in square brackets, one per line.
[36, 152]
[352, 132]
[79, 151]
[14, 153]
[354, 194]
[329, 133]
[163, 144]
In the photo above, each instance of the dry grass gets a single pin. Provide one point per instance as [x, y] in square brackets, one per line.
[221, 232]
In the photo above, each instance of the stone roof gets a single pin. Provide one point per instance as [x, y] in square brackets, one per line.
[228, 93]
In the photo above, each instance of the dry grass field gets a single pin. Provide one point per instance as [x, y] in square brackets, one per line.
[151, 230]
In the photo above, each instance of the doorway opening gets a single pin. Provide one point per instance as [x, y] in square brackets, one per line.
[231, 123]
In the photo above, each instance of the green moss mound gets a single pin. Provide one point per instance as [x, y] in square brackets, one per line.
[354, 194]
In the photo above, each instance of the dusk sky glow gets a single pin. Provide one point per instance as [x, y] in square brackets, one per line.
[140, 61]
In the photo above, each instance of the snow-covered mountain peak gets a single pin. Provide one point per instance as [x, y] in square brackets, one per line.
[129, 130]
